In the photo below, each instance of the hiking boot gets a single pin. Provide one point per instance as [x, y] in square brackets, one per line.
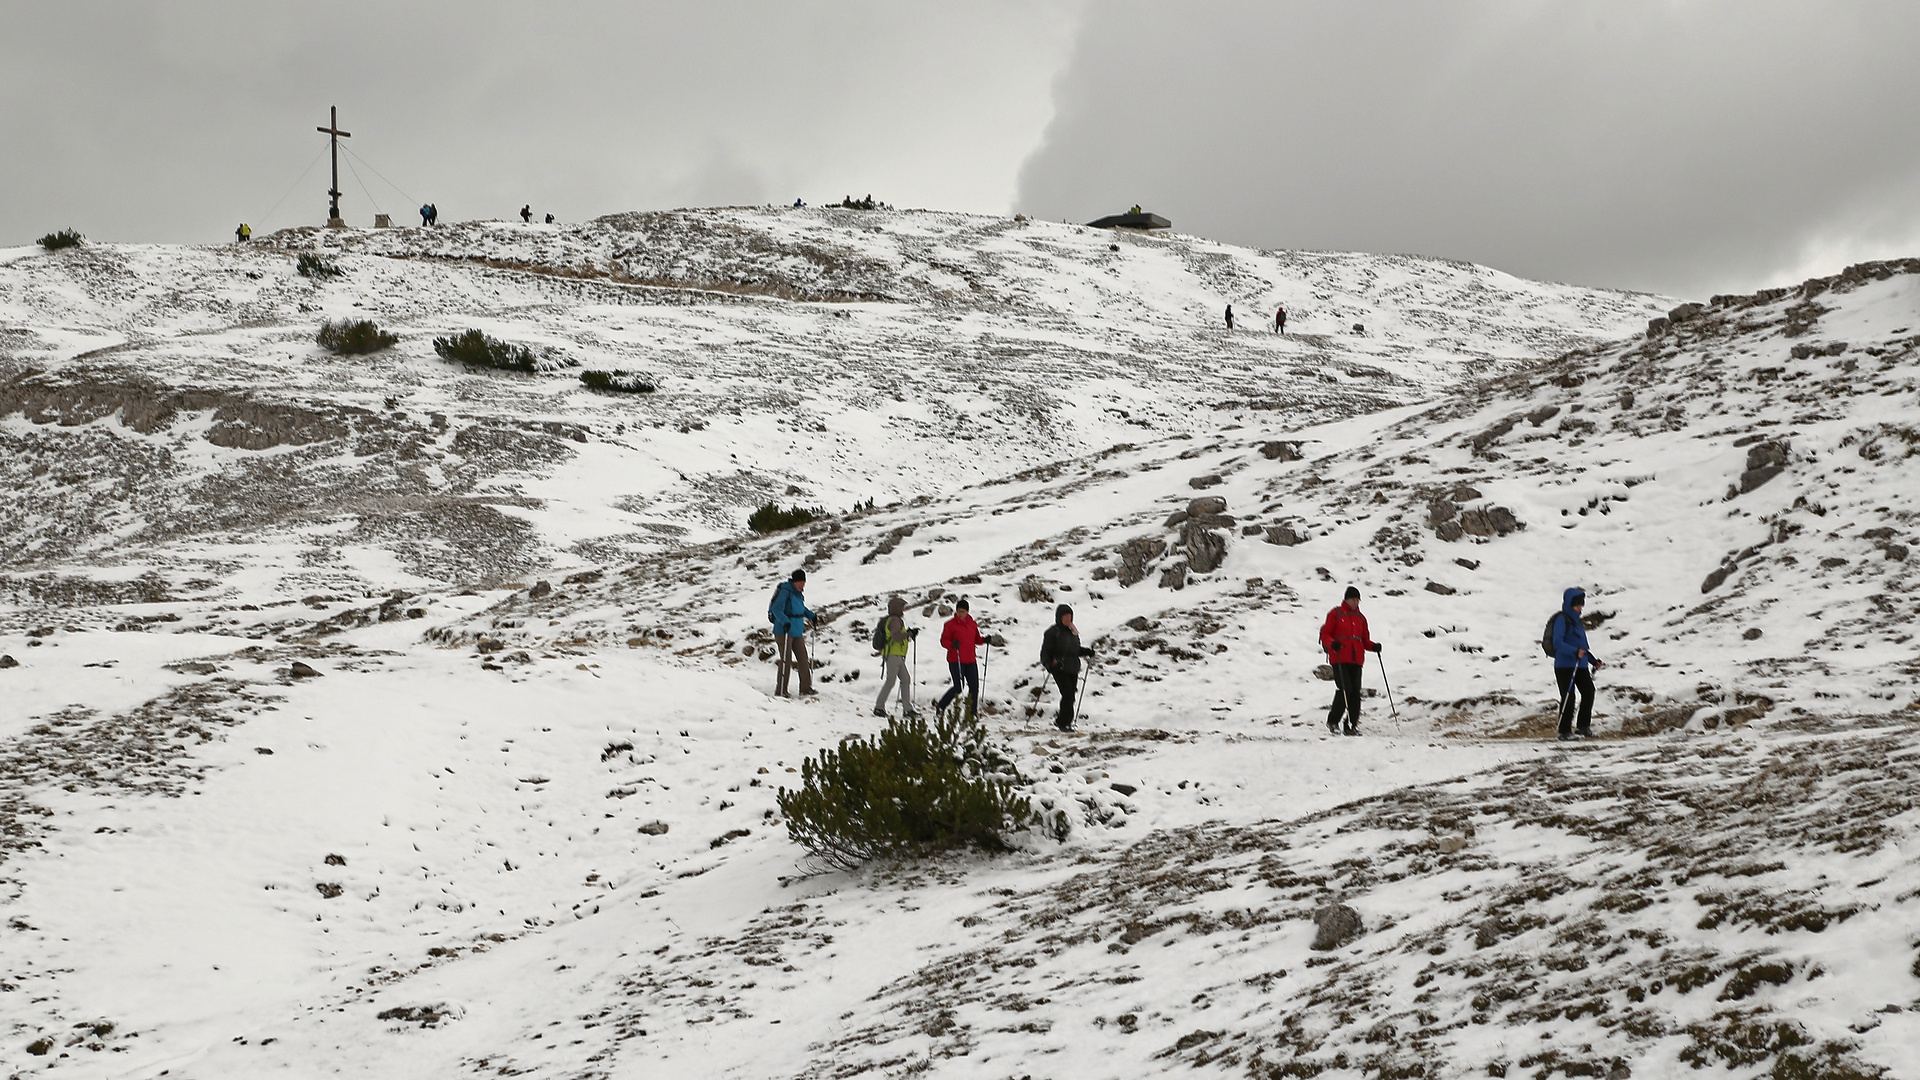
[1566, 738]
[1583, 733]
[1333, 727]
[1351, 729]
[1062, 727]
[878, 711]
[809, 693]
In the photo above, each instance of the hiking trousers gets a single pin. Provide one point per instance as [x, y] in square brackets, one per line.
[897, 672]
[793, 656]
[1581, 679]
[959, 672]
[1346, 696]
[1066, 681]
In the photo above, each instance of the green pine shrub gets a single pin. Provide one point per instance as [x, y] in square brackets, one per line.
[618, 382]
[65, 238]
[770, 518]
[476, 348]
[353, 336]
[914, 789]
[317, 267]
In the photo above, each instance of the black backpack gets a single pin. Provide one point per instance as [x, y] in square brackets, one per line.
[880, 635]
[779, 594]
[1546, 636]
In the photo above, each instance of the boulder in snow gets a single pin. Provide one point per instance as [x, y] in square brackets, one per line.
[1338, 924]
[300, 670]
[1764, 462]
[1207, 481]
[8, 661]
[1136, 554]
[654, 828]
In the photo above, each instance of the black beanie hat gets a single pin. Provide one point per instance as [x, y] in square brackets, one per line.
[798, 575]
[962, 605]
[1352, 593]
[1062, 612]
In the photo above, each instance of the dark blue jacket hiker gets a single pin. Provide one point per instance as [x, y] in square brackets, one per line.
[1573, 665]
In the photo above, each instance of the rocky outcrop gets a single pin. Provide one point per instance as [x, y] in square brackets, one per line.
[1136, 555]
[1335, 925]
[1764, 462]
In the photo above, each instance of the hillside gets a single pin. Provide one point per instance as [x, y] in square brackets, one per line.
[445, 851]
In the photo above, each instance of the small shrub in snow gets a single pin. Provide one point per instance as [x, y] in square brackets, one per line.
[914, 789]
[851, 203]
[770, 518]
[474, 347]
[65, 238]
[353, 336]
[317, 267]
[618, 382]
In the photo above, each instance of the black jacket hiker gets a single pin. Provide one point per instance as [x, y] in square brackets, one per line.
[1060, 653]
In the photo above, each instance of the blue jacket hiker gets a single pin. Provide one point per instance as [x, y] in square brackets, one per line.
[790, 615]
[1573, 665]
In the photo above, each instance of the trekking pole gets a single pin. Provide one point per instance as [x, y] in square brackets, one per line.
[1080, 699]
[1383, 681]
[985, 659]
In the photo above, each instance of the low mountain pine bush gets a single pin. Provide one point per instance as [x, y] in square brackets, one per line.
[65, 238]
[618, 382]
[317, 267]
[476, 348]
[913, 789]
[770, 518]
[353, 336]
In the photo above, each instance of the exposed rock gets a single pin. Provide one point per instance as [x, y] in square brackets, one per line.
[1464, 493]
[1714, 579]
[1684, 312]
[1897, 552]
[1543, 414]
[584, 577]
[1492, 521]
[1764, 462]
[1280, 451]
[328, 889]
[1174, 577]
[7, 661]
[1656, 327]
[539, 591]
[301, 670]
[1752, 634]
[1207, 481]
[1448, 845]
[1124, 789]
[1205, 549]
[1178, 517]
[1206, 506]
[1436, 587]
[1449, 531]
[1035, 591]
[1626, 399]
[1140, 623]
[1487, 437]
[1324, 672]
[886, 545]
[654, 828]
[489, 645]
[1471, 564]
[1284, 535]
[335, 860]
[1252, 530]
[1338, 924]
[1440, 510]
[1136, 555]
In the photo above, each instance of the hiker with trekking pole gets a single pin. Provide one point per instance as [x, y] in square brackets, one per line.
[894, 640]
[961, 638]
[1573, 663]
[790, 617]
[1344, 637]
[1060, 653]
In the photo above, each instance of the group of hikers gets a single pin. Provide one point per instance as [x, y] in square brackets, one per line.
[1344, 638]
[1279, 318]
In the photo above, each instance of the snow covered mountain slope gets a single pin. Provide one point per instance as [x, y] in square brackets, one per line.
[444, 853]
[167, 409]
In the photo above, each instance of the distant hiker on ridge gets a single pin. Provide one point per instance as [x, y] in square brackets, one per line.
[526, 214]
[1229, 316]
[549, 219]
[1060, 653]
[243, 234]
[426, 215]
[433, 213]
[960, 637]
[1573, 664]
[1344, 637]
[894, 639]
[790, 616]
[1280, 320]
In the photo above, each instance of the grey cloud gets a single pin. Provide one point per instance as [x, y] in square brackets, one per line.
[1684, 147]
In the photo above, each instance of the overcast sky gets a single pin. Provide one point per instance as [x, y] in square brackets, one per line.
[1684, 146]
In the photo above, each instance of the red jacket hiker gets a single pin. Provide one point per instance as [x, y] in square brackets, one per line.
[960, 636]
[1344, 636]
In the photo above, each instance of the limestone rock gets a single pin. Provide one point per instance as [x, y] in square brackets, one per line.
[1207, 481]
[654, 828]
[1764, 462]
[1684, 312]
[540, 589]
[1136, 555]
[1284, 535]
[1140, 623]
[1448, 845]
[1449, 531]
[584, 577]
[300, 670]
[1656, 327]
[1338, 924]
[1034, 591]
[1543, 414]
[1205, 549]
[1174, 577]
[1324, 672]
[1439, 589]
[1441, 510]
[8, 661]
[1206, 506]
[1280, 451]
[1492, 521]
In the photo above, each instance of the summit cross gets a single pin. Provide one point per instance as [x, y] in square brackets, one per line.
[334, 135]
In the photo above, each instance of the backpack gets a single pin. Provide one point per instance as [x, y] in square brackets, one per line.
[1546, 636]
[880, 635]
[773, 606]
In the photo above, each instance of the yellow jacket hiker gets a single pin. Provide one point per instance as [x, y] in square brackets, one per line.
[897, 641]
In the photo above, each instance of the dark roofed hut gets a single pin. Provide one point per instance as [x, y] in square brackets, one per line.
[1136, 220]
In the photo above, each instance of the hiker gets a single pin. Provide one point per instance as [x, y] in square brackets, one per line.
[549, 219]
[433, 213]
[1135, 211]
[799, 202]
[1280, 320]
[243, 234]
[526, 214]
[1344, 637]
[426, 215]
[960, 637]
[790, 616]
[1573, 664]
[1229, 316]
[894, 639]
[1060, 653]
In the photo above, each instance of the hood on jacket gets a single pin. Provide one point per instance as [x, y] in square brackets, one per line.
[896, 607]
[1062, 614]
[1567, 598]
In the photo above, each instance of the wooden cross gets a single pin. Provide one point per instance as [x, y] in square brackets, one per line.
[332, 130]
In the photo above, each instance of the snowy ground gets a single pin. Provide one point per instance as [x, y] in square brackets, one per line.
[430, 857]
